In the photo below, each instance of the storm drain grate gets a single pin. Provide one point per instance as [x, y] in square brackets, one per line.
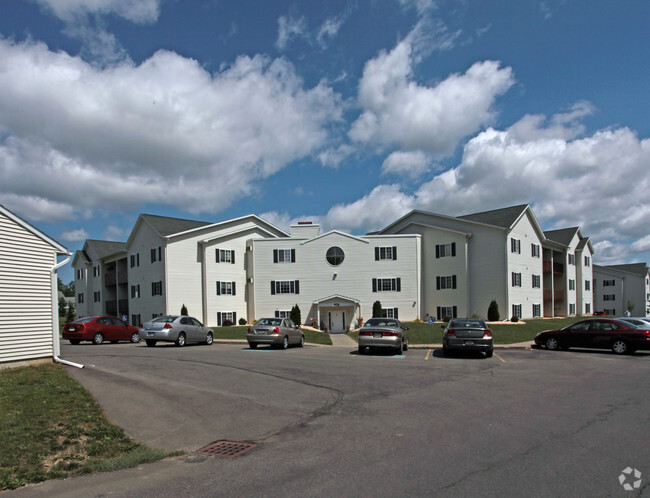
[226, 449]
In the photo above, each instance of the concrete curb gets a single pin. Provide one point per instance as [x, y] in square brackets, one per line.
[515, 346]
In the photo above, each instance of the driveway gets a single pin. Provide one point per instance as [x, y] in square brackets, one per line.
[325, 421]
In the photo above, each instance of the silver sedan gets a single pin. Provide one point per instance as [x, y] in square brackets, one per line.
[278, 332]
[173, 328]
[383, 333]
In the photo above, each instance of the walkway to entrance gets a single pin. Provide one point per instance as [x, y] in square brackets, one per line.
[342, 341]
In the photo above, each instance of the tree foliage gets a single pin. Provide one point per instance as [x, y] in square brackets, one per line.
[295, 315]
[184, 310]
[493, 312]
[376, 310]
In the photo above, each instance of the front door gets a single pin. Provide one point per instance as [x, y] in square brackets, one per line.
[337, 321]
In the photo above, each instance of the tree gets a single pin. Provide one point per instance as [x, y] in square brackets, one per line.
[183, 310]
[71, 314]
[295, 315]
[62, 306]
[493, 312]
[377, 310]
[68, 290]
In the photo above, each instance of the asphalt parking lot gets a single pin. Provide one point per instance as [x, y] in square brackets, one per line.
[325, 421]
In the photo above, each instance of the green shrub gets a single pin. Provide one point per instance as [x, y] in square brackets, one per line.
[242, 321]
[184, 310]
[493, 312]
[376, 309]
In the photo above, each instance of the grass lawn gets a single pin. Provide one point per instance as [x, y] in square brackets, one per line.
[504, 333]
[53, 428]
[239, 332]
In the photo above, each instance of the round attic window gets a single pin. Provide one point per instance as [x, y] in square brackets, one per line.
[335, 256]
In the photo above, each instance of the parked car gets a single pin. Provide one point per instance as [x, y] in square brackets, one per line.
[637, 320]
[173, 328]
[620, 336]
[600, 313]
[467, 334]
[278, 332]
[383, 333]
[98, 329]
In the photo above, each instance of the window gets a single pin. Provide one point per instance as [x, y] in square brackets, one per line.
[335, 256]
[225, 288]
[535, 250]
[386, 253]
[135, 291]
[609, 283]
[587, 308]
[226, 317]
[136, 320]
[283, 313]
[446, 282]
[444, 312]
[386, 284]
[95, 271]
[284, 255]
[135, 260]
[225, 256]
[516, 279]
[446, 250]
[80, 274]
[537, 310]
[572, 284]
[156, 288]
[587, 261]
[537, 281]
[609, 297]
[80, 298]
[96, 297]
[156, 254]
[389, 313]
[572, 259]
[516, 310]
[515, 246]
[587, 285]
[572, 309]
[285, 287]
[611, 311]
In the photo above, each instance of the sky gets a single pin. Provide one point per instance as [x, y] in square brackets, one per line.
[347, 113]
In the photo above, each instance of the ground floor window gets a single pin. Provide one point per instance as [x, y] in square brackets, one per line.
[135, 319]
[446, 312]
[610, 311]
[96, 297]
[537, 310]
[572, 309]
[226, 318]
[283, 313]
[516, 310]
[389, 313]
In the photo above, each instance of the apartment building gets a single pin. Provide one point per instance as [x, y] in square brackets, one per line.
[621, 288]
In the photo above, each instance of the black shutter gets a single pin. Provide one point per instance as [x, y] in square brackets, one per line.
[455, 313]
[453, 248]
[374, 285]
[233, 288]
[272, 287]
[297, 286]
[437, 283]
[438, 312]
[216, 252]
[293, 255]
[275, 255]
[394, 253]
[437, 251]
[453, 281]
[395, 313]
[234, 317]
[376, 253]
[232, 257]
[218, 288]
[277, 314]
[219, 318]
[398, 283]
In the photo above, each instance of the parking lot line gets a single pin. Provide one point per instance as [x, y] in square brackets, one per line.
[502, 360]
[428, 354]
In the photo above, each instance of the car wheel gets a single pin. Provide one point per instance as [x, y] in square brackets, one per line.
[362, 349]
[406, 345]
[135, 338]
[302, 341]
[180, 341]
[151, 342]
[209, 339]
[98, 338]
[489, 353]
[74, 341]
[252, 345]
[619, 346]
[400, 348]
[285, 342]
[552, 344]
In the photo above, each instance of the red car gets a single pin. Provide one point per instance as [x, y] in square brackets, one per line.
[603, 333]
[98, 329]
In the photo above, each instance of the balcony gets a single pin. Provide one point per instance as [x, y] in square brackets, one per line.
[555, 268]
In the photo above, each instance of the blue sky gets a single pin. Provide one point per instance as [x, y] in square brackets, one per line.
[346, 113]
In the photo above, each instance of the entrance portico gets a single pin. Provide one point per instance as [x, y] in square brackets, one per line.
[336, 311]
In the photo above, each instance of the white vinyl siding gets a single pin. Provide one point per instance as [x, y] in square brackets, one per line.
[25, 293]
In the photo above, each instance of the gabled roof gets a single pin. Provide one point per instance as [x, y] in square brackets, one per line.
[504, 218]
[333, 232]
[30, 228]
[166, 226]
[104, 248]
[640, 269]
[562, 236]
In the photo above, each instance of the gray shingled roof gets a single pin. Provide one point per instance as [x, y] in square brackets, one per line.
[168, 226]
[636, 268]
[105, 248]
[562, 236]
[498, 217]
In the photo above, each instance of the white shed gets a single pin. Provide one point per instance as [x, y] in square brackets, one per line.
[29, 321]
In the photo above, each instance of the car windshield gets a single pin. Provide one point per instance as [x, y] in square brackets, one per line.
[164, 319]
[269, 321]
[380, 322]
[467, 324]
